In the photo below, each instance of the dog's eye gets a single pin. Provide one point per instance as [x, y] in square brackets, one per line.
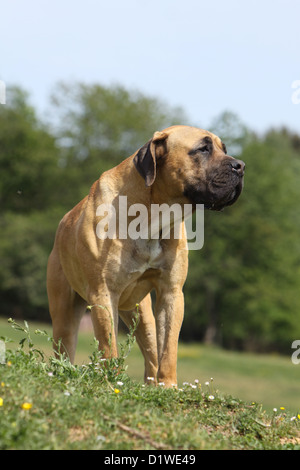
[204, 149]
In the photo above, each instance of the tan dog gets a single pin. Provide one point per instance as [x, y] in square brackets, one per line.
[182, 165]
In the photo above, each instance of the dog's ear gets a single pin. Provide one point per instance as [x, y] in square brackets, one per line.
[145, 159]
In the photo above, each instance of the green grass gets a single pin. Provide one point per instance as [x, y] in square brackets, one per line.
[271, 380]
[80, 407]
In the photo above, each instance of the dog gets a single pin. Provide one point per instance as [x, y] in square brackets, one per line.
[112, 275]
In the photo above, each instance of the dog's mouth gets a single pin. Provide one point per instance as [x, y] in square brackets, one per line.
[215, 197]
[229, 199]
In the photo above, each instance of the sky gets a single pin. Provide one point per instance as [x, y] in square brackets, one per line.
[204, 56]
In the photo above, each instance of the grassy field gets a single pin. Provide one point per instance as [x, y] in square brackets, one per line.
[46, 403]
[272, 380]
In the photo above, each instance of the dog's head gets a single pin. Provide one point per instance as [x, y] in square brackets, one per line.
[192, 164]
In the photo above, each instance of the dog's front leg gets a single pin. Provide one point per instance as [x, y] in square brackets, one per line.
[168, 315]
[104, 313]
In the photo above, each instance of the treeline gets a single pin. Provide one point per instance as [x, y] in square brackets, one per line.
[242, 289]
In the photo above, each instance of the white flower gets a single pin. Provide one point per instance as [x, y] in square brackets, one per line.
[67, 394]
[161, 383]
[206, 383]
[275, 410]
[150, 378]
[120, 383]
[50, 374]
[211, 397]
[193, 386]
[196, 381]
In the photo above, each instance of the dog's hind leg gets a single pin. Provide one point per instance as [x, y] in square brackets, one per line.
[66, 309]
[145, 335]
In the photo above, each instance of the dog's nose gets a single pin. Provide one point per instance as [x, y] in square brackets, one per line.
[238, 166]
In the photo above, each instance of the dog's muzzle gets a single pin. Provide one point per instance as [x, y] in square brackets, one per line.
[223, 185]
[226, 185]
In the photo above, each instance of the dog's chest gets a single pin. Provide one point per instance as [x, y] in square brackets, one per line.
[147, 254]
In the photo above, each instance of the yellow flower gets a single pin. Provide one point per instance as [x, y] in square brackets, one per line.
[117, 390]
[26, 406]
[9, 363]
[2, 384]
[1, 401]
[298, 416]
[282, 408]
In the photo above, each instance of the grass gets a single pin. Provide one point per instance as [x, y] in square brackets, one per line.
[271, 380]
[47, 403]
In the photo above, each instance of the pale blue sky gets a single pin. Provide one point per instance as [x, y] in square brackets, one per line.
[206, 56]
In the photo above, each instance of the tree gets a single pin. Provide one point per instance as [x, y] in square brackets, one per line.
[30, 176]
[247, 274]
[28, 157]
[98, 127]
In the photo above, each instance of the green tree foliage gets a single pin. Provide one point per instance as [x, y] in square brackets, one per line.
[246, 278]
[28, 157]
[29, 194]
[242, 287]
[98, 127]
